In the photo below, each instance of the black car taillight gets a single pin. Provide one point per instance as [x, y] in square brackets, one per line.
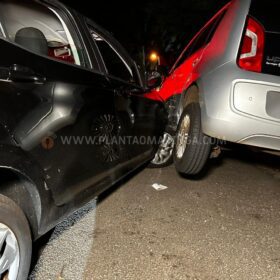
[252, 47]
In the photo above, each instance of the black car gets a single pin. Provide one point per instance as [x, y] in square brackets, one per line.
[74, 120]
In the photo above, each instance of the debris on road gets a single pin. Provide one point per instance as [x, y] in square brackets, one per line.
[159, 187]
[216, 152]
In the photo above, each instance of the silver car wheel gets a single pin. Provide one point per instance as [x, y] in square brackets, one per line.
[183, 136]
[9, 254]
[165, 150]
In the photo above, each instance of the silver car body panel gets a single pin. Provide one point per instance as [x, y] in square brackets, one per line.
[237, 105]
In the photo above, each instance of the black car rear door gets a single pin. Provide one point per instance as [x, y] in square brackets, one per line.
[141, 119]
[63, 106]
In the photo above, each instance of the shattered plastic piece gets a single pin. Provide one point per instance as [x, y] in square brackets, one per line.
[159, 187]
[216, 152]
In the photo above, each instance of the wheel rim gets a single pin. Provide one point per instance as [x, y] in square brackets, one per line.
[165, 150]
[182, 137]
[9, 254]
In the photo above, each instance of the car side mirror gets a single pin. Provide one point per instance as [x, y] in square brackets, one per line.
[155, 79]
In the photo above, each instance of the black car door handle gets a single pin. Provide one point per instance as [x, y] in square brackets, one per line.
[23, 74]
[122, 92]
[127, 92]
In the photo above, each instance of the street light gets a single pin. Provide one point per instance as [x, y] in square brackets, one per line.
[154, 57]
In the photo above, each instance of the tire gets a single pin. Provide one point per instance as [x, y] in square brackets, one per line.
[192, 147]
[14, 225]
[159, 160]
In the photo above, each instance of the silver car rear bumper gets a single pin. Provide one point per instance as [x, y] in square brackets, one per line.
[245, 111]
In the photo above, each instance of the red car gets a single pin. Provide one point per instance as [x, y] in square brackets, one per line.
[180, 78]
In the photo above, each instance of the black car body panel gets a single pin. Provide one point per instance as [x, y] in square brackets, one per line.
[52, 112]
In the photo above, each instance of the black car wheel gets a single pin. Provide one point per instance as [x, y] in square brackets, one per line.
[163, 157]
[15, 241]
[192, 147]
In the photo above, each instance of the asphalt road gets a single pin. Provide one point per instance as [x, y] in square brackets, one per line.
[223, 226]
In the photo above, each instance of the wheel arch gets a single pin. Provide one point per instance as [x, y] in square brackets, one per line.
[179, 102]
[190, 95]
[20, 189]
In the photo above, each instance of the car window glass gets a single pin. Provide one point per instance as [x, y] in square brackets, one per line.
[201, 40]
[2, 33]
[41, 29]
[115, 64]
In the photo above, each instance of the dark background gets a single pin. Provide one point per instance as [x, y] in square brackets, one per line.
[165, 26]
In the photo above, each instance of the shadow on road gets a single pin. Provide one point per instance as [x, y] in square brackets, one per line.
[253, 156]
[243, 154]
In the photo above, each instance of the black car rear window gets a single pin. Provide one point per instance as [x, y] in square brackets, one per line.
[267, 13]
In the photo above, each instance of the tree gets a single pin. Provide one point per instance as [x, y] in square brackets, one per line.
[171, 24]
[163, 25]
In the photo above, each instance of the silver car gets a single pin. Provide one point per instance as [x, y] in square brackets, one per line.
[226, 84]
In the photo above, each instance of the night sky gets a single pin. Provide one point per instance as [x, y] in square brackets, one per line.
[162, 25]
